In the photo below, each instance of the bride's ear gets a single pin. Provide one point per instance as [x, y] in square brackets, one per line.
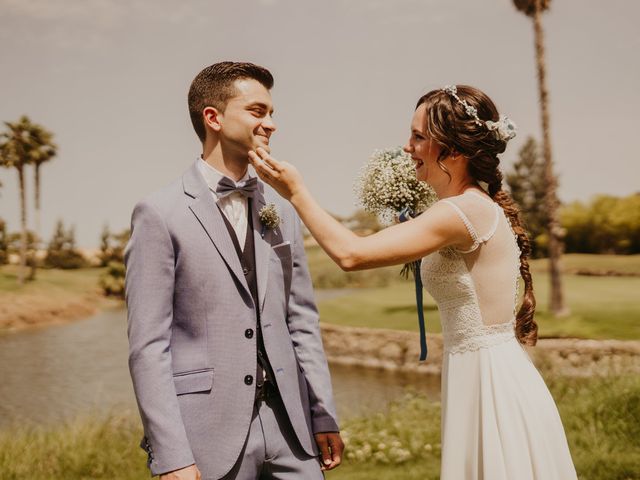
[457, 157]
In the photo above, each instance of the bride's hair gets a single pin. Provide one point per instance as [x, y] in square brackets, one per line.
[450, 125]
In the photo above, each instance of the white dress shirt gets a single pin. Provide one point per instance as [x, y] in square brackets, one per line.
[234, 206]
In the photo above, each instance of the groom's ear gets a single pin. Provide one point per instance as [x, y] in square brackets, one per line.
[211, 117]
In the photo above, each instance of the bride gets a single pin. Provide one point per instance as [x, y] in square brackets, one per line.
[499, 420]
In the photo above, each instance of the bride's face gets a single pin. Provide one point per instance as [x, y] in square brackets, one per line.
[424, 152]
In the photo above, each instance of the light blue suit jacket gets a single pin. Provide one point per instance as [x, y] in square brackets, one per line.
[189, 306]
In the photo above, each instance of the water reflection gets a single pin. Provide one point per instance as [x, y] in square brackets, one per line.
[55, 373]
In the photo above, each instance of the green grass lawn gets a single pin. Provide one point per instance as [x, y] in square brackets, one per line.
[49, 281]
[601, 307]
[629, 264]
[601, 418]
[326, 274]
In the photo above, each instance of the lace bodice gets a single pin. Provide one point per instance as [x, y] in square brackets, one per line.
[476, 289]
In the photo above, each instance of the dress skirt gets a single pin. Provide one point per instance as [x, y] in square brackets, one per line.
[499, 421]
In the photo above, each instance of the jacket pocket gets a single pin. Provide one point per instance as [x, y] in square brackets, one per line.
[193, 382]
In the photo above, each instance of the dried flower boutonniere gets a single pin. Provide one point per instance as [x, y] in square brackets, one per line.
[269, 217]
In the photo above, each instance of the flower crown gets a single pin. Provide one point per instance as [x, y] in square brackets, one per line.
[504, 128]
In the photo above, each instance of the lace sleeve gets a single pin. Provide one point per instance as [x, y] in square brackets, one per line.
[479, 214]
[467, 224]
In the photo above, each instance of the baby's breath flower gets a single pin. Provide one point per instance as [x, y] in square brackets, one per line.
[387, 185]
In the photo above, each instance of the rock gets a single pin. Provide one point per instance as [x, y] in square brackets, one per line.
[396, 350]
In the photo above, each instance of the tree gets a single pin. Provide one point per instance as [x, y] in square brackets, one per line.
[4, 243]
[528, 189]
[44, 151]
[16, 244]
[576, 218]
[112, 246]
[62, 252]
[16, 147]
[105, 247]
[534, 9]
[25, 143]
[607, 224]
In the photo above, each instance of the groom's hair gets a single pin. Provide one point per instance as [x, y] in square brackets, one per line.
[213, 87]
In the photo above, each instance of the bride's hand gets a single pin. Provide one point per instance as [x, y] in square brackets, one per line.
[282, 176]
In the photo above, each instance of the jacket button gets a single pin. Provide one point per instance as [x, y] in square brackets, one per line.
[248, 333]
[248, 380]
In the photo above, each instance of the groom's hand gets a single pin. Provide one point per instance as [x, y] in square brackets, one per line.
[188, 473]
[331, 448]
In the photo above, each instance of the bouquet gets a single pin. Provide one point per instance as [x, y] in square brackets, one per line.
[387, 186]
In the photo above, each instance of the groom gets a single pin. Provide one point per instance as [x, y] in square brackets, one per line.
[225, 352]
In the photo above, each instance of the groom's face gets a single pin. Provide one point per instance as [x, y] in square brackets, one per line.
[247, 122]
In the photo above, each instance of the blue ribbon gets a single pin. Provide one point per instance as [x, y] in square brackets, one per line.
[419, 303]
[403, 216]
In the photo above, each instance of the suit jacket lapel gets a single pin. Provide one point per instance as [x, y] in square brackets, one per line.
[262, 245]
[206, 211]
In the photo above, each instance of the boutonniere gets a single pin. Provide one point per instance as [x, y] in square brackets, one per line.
[269, 217]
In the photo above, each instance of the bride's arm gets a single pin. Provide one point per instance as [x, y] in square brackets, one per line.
[438, 227]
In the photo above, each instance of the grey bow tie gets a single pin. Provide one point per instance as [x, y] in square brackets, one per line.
[226, 186]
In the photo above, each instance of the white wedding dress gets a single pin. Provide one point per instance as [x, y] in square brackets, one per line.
[499, 421]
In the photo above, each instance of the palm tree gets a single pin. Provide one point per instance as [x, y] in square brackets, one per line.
[44, 151]
[534, 9]
[21, 145]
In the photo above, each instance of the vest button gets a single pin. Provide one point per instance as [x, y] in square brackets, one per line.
[245, 270]
[248, 333]
[248, 380]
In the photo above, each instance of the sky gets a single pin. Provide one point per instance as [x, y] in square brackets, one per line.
[110, 78]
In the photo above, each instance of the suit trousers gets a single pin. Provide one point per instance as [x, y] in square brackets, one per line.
[272, 450]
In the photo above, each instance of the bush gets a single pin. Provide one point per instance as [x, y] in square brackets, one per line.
[605, 225]
[112, 246]
[394, 437]
[112, 281]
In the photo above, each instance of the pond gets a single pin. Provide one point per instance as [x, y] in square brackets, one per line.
[55, 373]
